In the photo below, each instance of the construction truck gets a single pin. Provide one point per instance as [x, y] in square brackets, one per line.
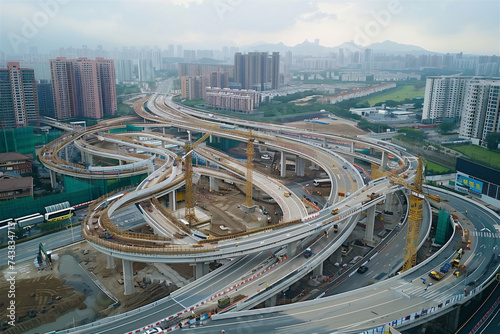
[456, 259]
[438, 275]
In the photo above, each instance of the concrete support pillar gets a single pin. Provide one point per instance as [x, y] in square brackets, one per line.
[210, 139]
[82, 156]
[128, 277]
[86, 158]
[318, 270]
[271, 301]
[283, 165]
[169, 201]
[325, 144]
[53, 180]
[352, 147]
[120, 162]
[172, 200]
[388, 201]
[164, 130]
[291, 248]
[110, 263]
[385, 157]
[189, 136]
[370, 223]
[66, 153]
[201, 269]
[214, 184]
[299, 166]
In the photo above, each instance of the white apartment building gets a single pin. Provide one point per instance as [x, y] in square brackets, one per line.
[443, 98]
[480, 114]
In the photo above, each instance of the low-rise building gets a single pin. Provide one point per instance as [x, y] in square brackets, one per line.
[15, 187]
[16, 162]
[244, 100]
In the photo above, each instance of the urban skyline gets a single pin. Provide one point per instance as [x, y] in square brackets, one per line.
[442, 26]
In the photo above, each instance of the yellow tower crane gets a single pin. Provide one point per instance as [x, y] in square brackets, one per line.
[189, 214]
[416, 208]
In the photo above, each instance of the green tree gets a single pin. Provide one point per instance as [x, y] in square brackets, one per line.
[446, 127]
[412, 134]
[492, 140]
[124, 110]
[19, 232]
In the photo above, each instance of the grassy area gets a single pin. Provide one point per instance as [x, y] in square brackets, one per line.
[397, 94]
[435, 169]
[480, 155]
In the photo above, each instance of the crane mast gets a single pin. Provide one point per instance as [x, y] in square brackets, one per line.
[189, 213]
[415, 212]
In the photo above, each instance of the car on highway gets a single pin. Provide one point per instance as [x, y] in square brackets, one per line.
[362, 269]
[154, 330]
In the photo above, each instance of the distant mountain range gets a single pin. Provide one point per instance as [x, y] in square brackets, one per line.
[307, 48]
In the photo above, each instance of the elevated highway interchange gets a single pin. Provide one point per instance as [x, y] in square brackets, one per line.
[349, 208]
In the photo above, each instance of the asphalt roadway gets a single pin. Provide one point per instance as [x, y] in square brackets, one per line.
[367, 307]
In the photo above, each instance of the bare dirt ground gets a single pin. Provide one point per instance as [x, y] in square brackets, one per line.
[40, 297]
[45, 294]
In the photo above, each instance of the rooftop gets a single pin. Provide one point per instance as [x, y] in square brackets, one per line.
[14, 156]
[16, 184]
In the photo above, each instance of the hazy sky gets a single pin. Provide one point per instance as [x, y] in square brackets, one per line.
[437, 25]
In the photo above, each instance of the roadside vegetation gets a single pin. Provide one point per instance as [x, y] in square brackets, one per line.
[490, 158]
[432, 168]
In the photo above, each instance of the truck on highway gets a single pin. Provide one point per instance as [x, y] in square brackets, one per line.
[456, 259]
[441, 273]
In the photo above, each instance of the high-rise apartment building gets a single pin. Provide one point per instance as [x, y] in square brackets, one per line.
[146, 72]
[63, 82]
[124, 70]
[83, 87]
[288, 62]
[107, 85]
[18, 97]
[202, 69]
[444, 98]
[481, 113]
[257, 70]
[194, 75]
[193, 87]
[45, 98]
[171, 51]
[275, 70]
